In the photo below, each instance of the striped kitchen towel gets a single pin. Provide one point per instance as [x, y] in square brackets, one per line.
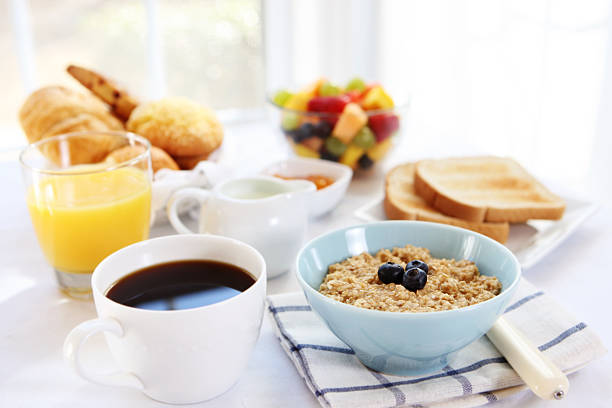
[477, 375]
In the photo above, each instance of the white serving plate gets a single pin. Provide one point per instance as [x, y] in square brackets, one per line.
[529, 242]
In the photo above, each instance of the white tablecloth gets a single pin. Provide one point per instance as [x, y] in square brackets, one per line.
[35, 317]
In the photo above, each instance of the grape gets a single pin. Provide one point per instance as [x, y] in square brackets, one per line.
[281, 97]
[335, 146]
[290, 121]
[365, 138]
[327, 89]
[356, 84]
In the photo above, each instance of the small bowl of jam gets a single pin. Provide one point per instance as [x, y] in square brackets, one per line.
[331, 179]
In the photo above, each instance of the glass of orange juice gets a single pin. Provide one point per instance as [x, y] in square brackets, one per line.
[85, 204]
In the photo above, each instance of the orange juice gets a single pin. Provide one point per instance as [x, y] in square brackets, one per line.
[81, 218]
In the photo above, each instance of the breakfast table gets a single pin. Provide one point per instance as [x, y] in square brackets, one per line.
[36, 316]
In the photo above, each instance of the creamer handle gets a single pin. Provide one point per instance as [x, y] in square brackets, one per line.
[174, 201]
[540, 374]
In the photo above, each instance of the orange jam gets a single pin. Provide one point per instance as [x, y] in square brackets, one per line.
[319, 180]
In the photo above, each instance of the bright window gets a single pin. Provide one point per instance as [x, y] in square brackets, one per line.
[210, 51]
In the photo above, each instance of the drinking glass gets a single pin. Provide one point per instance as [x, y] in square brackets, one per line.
[84, 204]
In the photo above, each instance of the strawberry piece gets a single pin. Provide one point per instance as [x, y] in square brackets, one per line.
[383, 125]
[328, 104]
[354, 96]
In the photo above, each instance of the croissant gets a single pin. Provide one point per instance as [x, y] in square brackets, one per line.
[55, 110]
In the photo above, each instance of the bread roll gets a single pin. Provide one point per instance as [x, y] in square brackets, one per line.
[159, 158]
[189, 162]
[179, 126]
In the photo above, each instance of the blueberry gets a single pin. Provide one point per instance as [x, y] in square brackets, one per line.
[417, 263]
[390, 273]
[365, 162]
[306, 130]
[414, 279]
[325, 155]
[292, 134]
[322, 129]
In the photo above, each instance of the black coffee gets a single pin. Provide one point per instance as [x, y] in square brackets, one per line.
[180, 285]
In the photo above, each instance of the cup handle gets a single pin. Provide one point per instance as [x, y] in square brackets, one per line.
[72, 348]
[179, 196]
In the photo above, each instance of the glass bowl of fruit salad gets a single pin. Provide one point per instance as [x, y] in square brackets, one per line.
[356, 124]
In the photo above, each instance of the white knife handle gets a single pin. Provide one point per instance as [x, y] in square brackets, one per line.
[544, 378]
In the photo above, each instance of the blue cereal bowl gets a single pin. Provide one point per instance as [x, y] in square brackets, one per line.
[406, 343]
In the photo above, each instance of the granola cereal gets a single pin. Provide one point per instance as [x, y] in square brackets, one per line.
[450, 284]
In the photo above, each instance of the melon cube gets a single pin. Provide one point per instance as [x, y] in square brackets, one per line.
[352, 119]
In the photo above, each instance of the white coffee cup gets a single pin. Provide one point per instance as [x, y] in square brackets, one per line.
[269, 213]
[179, 356]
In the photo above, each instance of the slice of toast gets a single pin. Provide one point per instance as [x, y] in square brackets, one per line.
[486, 188]
[121, 103]
[402, 203]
